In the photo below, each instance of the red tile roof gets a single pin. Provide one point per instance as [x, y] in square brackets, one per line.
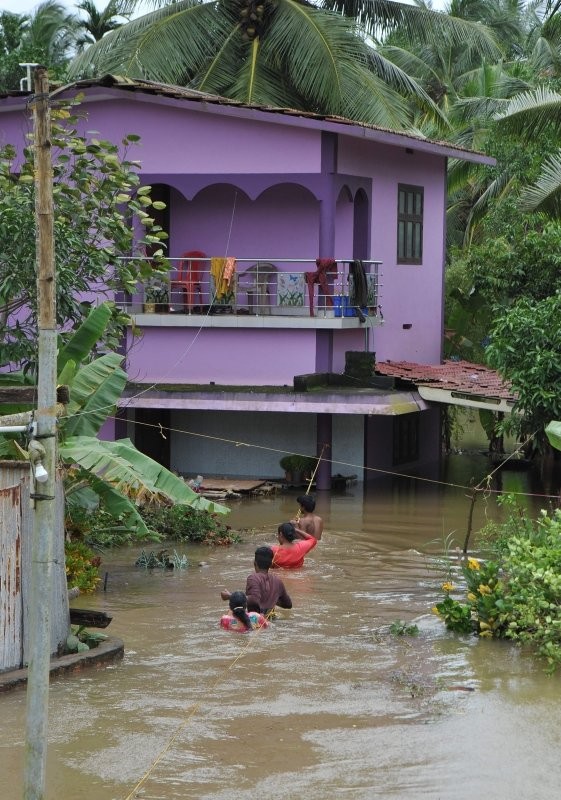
[456, 376]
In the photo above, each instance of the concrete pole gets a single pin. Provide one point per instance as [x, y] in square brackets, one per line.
[43, 493]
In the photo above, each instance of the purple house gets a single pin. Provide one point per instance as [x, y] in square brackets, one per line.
[300, 246]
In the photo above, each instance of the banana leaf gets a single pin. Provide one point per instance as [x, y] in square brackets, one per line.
[94, 392]
[553, 433]
[86, 336]
[118, 505]
[132, 472]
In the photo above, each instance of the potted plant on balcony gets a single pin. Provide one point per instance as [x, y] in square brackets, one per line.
[156, 297]
[297, 469]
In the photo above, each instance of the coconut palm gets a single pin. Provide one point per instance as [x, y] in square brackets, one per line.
[290, 53]
[536, 114]
[97, 23]
[47, 36]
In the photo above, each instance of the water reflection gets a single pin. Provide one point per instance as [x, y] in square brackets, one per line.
[323, 704]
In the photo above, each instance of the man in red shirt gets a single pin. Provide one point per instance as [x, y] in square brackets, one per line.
[293, 545]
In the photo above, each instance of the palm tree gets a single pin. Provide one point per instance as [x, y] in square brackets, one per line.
[536, 114]
[99, 22]
[289, 53]
[47, 36]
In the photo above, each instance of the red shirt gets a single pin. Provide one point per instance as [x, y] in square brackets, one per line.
[292, 555]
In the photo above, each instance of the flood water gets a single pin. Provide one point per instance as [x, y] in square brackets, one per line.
[326, 703]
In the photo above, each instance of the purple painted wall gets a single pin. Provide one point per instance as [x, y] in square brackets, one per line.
[248, 184]
[187, 138]
[221, 220]
[225, 356]
[411, 294]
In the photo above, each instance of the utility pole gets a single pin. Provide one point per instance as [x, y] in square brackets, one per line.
[43, 493]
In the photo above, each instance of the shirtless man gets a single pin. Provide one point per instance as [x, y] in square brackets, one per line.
[308, 521]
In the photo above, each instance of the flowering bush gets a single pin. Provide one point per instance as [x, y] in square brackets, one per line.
[518, 596]
[82, 567]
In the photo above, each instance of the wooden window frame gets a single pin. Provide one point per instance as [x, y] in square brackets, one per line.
[412, 219]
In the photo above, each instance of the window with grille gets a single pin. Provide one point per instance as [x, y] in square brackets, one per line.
[405, 438]
[410, 224]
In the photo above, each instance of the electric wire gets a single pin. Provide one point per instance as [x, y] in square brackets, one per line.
[377, 470]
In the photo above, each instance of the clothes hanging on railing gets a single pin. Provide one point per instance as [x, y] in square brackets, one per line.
[229, 270]
[359, 285]
[222, 271]
[324, 267]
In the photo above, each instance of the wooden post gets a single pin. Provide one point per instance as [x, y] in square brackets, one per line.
[42, 493]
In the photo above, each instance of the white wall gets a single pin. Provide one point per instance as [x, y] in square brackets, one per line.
[215, 450]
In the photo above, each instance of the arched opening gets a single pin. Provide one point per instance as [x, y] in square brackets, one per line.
[361, 225]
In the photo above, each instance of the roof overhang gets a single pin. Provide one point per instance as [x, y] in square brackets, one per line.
[458, 383]
[364, 403]
[434, 395]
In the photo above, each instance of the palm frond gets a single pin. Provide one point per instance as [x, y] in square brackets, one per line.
[531, 113]
[165, 45]
[396, 77]
[380, 17]
[313, 47]
[545, 193]
[497, 188]
[469, 109]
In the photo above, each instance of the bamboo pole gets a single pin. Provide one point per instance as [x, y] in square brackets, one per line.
[44, 493]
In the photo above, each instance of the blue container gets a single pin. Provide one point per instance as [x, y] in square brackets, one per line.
[348, 310]
[338, 306]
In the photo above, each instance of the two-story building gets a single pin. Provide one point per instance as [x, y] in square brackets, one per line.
[294, 240]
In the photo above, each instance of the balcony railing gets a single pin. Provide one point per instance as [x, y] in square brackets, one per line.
[261, 287]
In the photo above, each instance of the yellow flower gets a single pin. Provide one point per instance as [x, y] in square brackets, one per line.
[473, 563]
[471, 597]
[447, 586]
[483, 589]
[435, 610]
[484, 626]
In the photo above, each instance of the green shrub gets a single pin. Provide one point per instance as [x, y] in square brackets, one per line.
[517, 596]
[184, 524]
[296, 463]
[98, 529]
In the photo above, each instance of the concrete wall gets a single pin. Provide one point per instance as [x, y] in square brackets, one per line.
[222, 454]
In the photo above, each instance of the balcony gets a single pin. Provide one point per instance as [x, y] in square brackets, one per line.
[254, 293]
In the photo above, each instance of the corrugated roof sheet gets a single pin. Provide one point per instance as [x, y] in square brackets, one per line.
[456, 376]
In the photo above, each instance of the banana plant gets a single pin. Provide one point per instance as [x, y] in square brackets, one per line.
[114, 473]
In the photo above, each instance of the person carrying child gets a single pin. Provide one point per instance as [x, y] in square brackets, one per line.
[263, 589]
[239, 619]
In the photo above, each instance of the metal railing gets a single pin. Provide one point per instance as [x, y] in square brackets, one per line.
[259, 287]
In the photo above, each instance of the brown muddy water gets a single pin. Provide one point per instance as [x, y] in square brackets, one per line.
[324, 704]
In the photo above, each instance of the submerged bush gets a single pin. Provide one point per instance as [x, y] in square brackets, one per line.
[517, 594]
[184, 524]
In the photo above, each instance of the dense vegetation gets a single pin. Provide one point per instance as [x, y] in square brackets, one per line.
[89, 534]
[516, 593]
